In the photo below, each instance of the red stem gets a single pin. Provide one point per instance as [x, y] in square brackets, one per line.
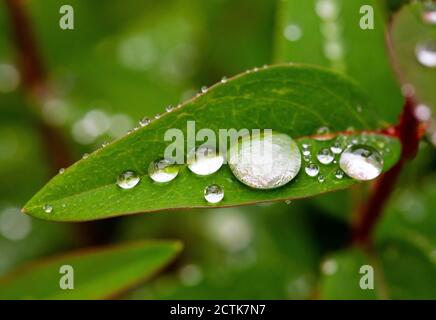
[34, 80]
[408, 131]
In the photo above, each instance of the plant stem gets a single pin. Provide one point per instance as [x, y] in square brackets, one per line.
[409, 134]
[34, 80]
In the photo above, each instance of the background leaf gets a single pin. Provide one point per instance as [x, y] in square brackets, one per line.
[97, 273]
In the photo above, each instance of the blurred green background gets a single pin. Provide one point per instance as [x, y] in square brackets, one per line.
[129, 59]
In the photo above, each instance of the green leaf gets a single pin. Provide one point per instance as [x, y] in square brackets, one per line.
[98, 273]
[296, 100]
[408, 31]
[360, 53]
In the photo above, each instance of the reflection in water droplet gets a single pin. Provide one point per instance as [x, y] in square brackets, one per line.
[312, 170]
[361, 162]
[213, 193]
[339, 174]
[426, 53]
[163, 170]
[128, 180]
[204, 160]
[336, 148]
[325, 156]
[321, 178]
[47, 208]
[265, 161]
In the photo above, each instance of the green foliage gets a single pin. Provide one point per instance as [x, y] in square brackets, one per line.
[97, 273]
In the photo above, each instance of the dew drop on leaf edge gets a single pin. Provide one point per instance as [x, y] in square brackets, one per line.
[361, 162]
[128, 179]
[213, 193]
[163, 170]
[204, 160]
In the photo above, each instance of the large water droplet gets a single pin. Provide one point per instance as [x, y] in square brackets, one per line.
[204, 160]
[47, 208]
[312, 170]
[361, 162]
[163, 170]
[426, 54]
[128, 179]
[325, 156]
[213, 193]
[265, 161]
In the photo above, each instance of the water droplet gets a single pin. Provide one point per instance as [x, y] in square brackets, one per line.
[321, 178]
[288, 202]
[339, 174]
[223, 79]
[292, 32]
[128, 180]
[323, 134]
[47, 208]
[203, 89]
[325, 156]
[169, 108]
[213, 193]
[144, 122]
[85, 155]
[422, 113]
[163, 170]
[265, 161]
[359, 109]
[312, 170]
[305, 146]
[204, 160]
[429, 12]
[426, 53]
[361, 162]
[306, 152]
[336, 148]
[157, 116]
[61, 170]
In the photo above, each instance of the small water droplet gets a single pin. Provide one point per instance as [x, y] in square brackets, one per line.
[213, 193]
[305, 146]
[323, 134]
[426, 54]
[169, 108]
[265, 161]
[312, 170]
[359, 108]
[325, 156]
[85, 155]
[288, 202]
[163, 170]
[306, 158]
[204, 89]
[204, 160]
[128, 179]
[361, 162]
[422, 113]
[336, 148]
[61, 170]
[47, 208]
[157, 116]
[223, 79]
[321, 178]
[306, 152]
[339, 174]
